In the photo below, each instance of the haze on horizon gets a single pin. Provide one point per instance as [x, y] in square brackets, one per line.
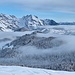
[59, 10]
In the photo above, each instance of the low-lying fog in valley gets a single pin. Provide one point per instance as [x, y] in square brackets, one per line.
[53, 48]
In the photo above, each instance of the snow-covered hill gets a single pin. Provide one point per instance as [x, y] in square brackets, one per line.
[17, 70]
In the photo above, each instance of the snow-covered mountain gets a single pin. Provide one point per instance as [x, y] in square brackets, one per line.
[28, 22]
[49, 22]
[8, 22]
[32, 22]
[33, 40]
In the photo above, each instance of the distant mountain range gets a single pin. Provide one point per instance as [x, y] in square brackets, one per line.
[12, 23]
[67, 23]
[28, 22]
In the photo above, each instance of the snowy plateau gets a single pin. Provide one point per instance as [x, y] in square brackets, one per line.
[32, 46]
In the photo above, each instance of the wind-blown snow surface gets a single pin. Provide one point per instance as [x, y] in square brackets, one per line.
[16, 70]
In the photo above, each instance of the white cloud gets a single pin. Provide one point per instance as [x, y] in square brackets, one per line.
[45, 5]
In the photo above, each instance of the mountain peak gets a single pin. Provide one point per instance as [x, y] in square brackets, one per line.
[30, 16]
[31, 20]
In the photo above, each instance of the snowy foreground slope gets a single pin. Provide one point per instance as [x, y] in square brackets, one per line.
[16, 70]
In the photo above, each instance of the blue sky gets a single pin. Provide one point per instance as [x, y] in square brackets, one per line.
[59, 10]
